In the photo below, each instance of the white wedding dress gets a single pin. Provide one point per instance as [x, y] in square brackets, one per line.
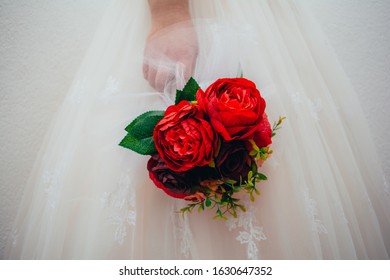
[325, 197]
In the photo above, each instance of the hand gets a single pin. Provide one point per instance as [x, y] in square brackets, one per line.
[170, 54]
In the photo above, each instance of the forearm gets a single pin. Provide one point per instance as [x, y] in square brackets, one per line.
[168, 12]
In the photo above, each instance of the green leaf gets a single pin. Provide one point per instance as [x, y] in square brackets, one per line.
[253, 153]
[242, 207]
[212, 164]
[240, 72]
[262, 176]
[208, 202]
[143, 146]
[188, 92]
[276, 125]
[231, 182]
[144, 117]
[254, 167]
[250, 174]
[139, 136]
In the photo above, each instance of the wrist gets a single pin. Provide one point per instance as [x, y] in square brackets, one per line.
[166, 13]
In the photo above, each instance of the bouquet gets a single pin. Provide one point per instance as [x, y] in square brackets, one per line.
[208, 146]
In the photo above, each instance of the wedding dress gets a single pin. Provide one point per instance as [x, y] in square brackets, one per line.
[325, 197]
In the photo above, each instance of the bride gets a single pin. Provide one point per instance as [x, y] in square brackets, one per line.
[88, 198]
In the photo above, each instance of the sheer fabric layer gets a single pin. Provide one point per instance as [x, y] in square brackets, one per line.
[325, 197]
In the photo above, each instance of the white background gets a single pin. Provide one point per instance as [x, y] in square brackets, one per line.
[42, 43]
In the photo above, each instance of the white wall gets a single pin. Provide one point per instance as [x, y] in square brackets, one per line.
[42, 43]
[359, 31]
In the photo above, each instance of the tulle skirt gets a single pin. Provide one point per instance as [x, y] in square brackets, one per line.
[325, 196]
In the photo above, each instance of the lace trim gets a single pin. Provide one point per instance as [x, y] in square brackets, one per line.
[121, 202]
[79, 89]
[250, 233]
[14, 237]
[312, 213]
[52, 178]
[340, 212]
[315, 107]
[182, 232]
[51, 183]
[111, 87]
[296, 97]
[386, 186]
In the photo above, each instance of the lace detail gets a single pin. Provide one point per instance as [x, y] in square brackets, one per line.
[299, 99]
[121, 202]
[312, 213]
[112, 86]
[340, 212]
[79, 89]
[315, 108]
[14, 237]
[182, 233]
[51, 183]
[386, 186]
[52, 179]
[369, 202]
[250, 233]
[296, 97]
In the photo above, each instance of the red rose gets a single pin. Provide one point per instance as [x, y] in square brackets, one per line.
[234, 106]
[183, 138]
[263, 134]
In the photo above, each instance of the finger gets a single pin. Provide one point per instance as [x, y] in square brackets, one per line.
[163, 76]
[187, 68]
[151, 77]
[145, 69]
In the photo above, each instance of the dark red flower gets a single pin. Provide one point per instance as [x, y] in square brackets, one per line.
[177, 184]
[233, 160]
